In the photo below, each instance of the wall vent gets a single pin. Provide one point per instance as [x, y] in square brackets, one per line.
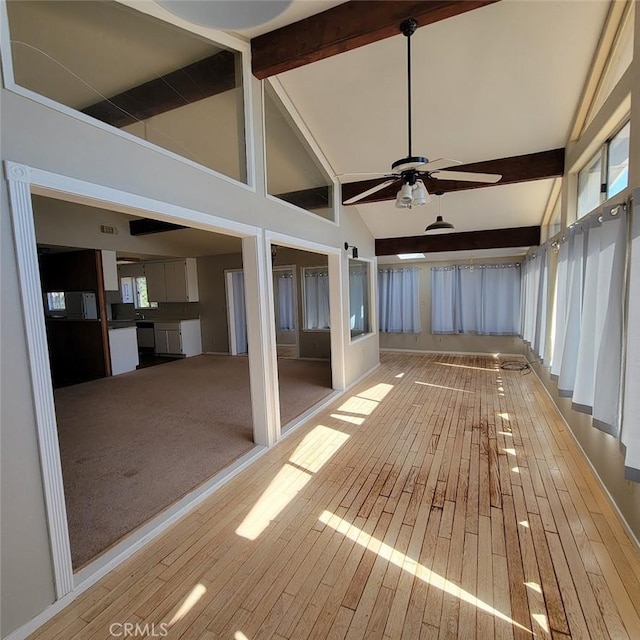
[109, 230]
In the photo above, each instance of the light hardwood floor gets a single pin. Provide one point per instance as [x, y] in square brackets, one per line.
[441, 498]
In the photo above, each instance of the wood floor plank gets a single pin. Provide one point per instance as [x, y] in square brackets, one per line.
[442, 497]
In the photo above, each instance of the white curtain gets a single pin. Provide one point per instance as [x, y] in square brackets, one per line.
[589, 316]
[358, 300]
[567, 375]
[533, 307]
[630, 434]
[316, 299]
[561, 307]
[481, 299]
[399, 300]
[443, 299]
[239, 311]
[285, 301]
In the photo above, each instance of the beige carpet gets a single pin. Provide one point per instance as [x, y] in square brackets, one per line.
[133, 444]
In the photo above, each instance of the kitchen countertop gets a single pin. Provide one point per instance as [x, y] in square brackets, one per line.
[121, 324]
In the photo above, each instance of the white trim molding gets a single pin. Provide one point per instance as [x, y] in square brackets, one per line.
[24, 234]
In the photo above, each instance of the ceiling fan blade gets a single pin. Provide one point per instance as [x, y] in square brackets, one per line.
[466, 176]
[371, 191]
[381, 174]
[439, 163]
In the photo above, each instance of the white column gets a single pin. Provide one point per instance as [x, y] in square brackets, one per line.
[263, 366]
[338, 373]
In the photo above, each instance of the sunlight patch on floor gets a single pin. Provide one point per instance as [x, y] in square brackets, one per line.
[313, 452]
[378, 392]
[465, 366]
[189, 602]
[439, 386]
[411, 566]
[504, 416]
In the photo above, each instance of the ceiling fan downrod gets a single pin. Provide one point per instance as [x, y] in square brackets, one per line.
[408, 28]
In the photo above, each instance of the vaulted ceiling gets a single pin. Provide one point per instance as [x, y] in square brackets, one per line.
[499, 79]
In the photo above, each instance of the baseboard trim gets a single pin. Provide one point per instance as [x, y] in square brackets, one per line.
[455, 353]
[609, 497]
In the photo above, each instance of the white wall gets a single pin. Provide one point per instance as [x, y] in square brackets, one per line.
[42, 137]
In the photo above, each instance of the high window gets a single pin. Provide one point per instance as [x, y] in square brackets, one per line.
[606, 173]
[135, 72]
[294, 173]
[359, 298]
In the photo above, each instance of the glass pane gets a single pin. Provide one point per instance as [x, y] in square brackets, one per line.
[135, 72]
[142, 298]
[56, 301]
[294, 173]
[359, 297]
[126, 290]
[589, 186]
[618, 173]
[618, 63]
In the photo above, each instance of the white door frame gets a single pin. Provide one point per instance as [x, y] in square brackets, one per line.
[335, 258]
[23, 181]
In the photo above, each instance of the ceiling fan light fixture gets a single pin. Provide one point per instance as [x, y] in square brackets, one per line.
[405, 195]
[420, 194]
[439, 225]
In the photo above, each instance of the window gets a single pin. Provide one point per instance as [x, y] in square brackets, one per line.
[590, 186]
[399, 300]
[134, 290]
[618, 161]
[481, 299]
[163, 84]
[316, 298]
[56, 301]
[294, 173]
[606, 174]
[359, 298]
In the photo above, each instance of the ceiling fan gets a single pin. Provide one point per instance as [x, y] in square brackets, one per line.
[409, 171]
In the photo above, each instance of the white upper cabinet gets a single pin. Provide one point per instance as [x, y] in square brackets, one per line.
[172, 280]
[109, 271]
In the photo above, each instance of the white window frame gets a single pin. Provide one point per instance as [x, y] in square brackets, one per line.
[370, 295]
[278, 89]
[603, 154]
[153, 9]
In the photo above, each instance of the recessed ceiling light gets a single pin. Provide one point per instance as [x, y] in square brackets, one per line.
[410, 256]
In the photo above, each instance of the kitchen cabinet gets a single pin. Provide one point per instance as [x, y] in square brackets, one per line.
[109, 271]
[178, 338]
[123, 348]
[156, 287]
[172, 280]
[131, 270]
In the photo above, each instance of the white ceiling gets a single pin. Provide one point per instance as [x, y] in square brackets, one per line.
[498, 81]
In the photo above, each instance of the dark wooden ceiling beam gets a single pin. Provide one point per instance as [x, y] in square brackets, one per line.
[464, 241]
[196, 81]
[345, 27]
[146, 226]
[524, 168]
